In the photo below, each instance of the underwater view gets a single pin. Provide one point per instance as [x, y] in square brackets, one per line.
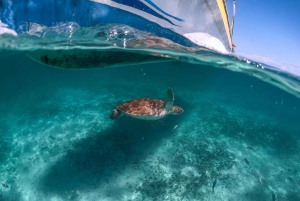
[237, 139]
[139, 100]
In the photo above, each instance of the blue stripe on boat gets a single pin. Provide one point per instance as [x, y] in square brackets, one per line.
[141, 6]
[158, 8]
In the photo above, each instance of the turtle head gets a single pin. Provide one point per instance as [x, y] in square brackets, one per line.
[176, 110]
[115, 114]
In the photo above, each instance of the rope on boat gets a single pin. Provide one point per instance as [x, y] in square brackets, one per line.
[233, 16]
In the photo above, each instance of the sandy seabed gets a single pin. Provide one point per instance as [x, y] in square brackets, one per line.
[58, 143]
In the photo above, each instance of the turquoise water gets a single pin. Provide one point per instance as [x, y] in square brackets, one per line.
[240, 127]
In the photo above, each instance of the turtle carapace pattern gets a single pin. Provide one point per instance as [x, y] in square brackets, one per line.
[148, 108]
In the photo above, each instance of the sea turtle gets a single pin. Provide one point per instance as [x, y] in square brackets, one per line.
[148, 108]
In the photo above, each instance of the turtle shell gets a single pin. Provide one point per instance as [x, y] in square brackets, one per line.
[142, 107]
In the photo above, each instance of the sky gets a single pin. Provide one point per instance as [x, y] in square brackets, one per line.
[268, 28]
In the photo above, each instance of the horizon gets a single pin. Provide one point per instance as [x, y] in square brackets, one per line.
[267, 29]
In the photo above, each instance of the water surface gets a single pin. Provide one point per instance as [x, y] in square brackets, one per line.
[240, 125]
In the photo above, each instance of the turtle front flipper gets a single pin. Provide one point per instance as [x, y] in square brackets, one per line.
[169, 100]
[115, 114]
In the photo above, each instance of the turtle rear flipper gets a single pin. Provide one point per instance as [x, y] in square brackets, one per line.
[169, 100]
